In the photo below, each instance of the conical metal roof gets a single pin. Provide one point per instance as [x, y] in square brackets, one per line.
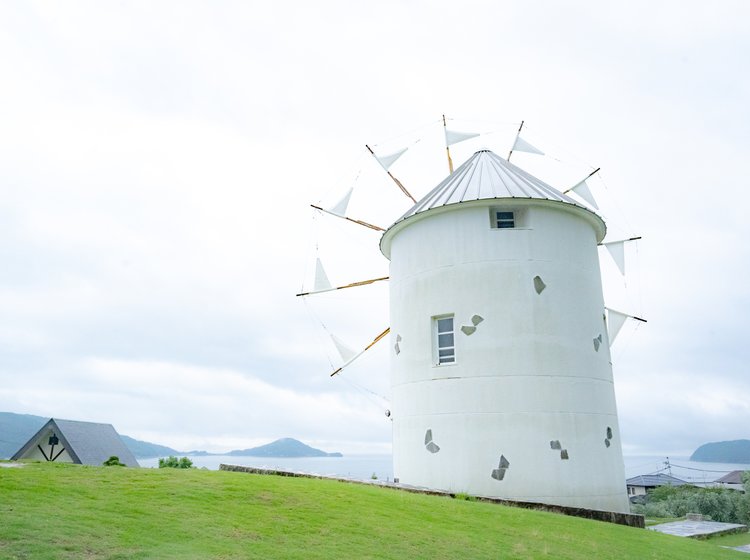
[486, 175]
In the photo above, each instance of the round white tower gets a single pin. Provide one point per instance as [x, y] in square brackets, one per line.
[500, 366]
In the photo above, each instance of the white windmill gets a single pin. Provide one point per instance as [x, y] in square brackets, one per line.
[501, 377]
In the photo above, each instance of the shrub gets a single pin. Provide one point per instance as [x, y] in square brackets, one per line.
[464, 496]
[113, 461]
[173, 462]
[717, 504]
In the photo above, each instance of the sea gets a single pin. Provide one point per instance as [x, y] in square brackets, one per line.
[380, 467]
[356, 467]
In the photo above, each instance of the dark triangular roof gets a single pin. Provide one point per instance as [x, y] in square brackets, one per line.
[734, 477]
[87, 443]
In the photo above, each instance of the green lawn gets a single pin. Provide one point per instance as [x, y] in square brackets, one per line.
[735, 539]
[70, 511]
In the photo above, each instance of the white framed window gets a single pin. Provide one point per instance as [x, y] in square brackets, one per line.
[504, 219]
[445, 339]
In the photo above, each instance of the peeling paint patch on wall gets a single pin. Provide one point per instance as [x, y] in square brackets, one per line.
[397, 346]
[557, 446]
[430, 445]
[499, 472]
[598, 342]
[539, 285]
[470, 329]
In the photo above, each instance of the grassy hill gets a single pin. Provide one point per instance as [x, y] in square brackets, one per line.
[70, 511]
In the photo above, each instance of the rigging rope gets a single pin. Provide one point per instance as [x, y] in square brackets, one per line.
[317, 319]
[409, 132]
[365, 390]
[559, 149]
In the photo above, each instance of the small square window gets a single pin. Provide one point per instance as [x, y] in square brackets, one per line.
[504, 220]
[444, 340]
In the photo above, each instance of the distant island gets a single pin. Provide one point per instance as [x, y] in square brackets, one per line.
[285, 447]
[16, 429]
[737, 451]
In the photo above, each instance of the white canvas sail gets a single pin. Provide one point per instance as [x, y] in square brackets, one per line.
[617, 250]
[339, 208]
[345, 352]
[454, 137]
[582, 190]
[390, 159]
[615, 321]
[321, 279]
[522, 145]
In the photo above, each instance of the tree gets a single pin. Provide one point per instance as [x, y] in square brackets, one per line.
[173, 462]
[718, 504]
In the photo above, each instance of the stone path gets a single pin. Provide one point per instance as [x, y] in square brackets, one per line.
[10, 465]
[697, 528]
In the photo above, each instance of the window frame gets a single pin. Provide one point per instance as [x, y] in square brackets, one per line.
[519, 221]
[504, 222]
[438, 348]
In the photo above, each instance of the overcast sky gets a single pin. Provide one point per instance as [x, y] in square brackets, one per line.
[157, 161]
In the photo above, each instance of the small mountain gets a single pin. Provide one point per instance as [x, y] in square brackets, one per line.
[146, 450]
[736, 451]
[16, 430]
[286, 447]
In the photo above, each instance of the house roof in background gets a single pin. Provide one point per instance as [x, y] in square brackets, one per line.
[88, 443]
[734, 477]
[654, 480]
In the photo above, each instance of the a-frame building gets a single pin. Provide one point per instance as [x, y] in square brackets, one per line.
[70, 441]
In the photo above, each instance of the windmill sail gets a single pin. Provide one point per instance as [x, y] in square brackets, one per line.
[321, 278]
[454, 137]
[582, 190]
[615, 322]
[360, 222]
[386, 162]
[522, 145]
[339, 209]
[355, 356]
[617, 250]
[322, 284]
[390, 159]
[345, 352]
